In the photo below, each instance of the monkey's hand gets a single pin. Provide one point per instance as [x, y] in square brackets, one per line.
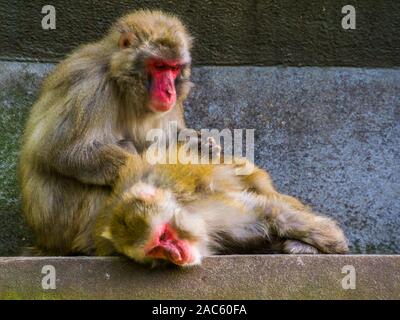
[207, 147]
[211, 148]
[128, 145]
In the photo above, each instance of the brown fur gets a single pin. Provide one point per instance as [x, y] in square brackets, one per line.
[213, 208]
[80, 167]
[90, 118]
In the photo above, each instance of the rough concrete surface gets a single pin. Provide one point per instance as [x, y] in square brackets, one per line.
[251, 32]
[227, 277]
[330, 136]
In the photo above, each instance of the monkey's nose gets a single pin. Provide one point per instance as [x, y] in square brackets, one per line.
[169, 92]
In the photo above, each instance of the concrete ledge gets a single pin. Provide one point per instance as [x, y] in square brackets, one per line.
[222, 277]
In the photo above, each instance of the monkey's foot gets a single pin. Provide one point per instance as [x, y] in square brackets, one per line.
[298, 247]
[327, 236]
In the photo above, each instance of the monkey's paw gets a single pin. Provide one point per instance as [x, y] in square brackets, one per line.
[327, 236]
[214, 149]
[207, 148]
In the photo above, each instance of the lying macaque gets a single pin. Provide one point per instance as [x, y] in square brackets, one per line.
[183, 212]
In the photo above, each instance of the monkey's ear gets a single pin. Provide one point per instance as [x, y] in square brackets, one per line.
[126, 39]
[106, 233]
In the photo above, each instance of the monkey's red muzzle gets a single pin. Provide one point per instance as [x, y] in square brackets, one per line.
[163, 94]
[166, 245]
[162, 90]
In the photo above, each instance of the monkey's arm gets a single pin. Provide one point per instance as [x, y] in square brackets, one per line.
[128, 145]
[93, 163]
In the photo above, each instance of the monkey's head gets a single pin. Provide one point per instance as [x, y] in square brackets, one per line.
[148, 225]
[150, 59]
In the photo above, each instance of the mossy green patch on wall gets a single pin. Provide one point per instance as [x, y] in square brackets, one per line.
[19, 85]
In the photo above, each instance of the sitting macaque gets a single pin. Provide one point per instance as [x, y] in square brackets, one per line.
[183, 212]
[93, 114]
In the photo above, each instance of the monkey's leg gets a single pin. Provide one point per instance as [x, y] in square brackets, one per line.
[259, 181]
[61, 212]
[247, 218]
[292, 219]
[291, 223]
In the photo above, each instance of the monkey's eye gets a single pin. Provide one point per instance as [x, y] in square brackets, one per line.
[176, 68]
[160, 66]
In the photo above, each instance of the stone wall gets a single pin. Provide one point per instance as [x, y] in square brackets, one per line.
[239, 32]
[329, 136]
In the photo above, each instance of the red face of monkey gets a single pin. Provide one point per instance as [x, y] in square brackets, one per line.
[151, 60]
[166, 244]
[162, 78]
[162, 91]
[148, 225]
